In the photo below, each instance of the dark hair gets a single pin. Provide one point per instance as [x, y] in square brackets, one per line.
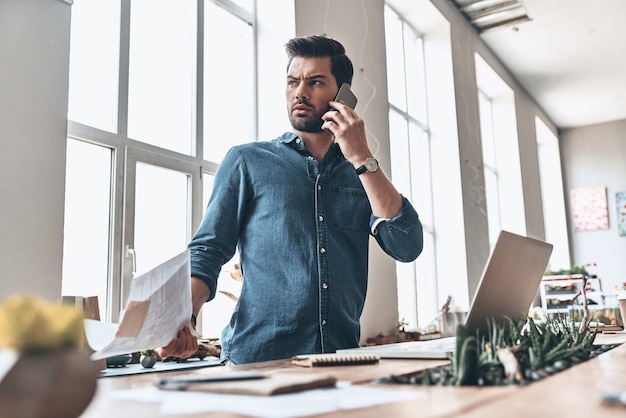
[321, 46]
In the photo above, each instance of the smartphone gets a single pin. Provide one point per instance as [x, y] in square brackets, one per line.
[346, 96]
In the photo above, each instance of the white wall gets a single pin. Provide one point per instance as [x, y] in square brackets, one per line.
[34, 68]
[596, 156]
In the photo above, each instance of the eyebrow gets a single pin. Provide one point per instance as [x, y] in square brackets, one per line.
[313, 77]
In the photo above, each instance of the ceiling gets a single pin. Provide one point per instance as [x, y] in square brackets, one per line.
[570, 57]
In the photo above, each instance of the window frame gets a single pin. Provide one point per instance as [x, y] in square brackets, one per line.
[124, 147]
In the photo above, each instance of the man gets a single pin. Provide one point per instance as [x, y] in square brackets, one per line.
[301, 209]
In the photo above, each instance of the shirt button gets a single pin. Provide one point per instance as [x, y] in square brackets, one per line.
[310, 157]
[323, 250]
[319, 187]
[320, 218]
[323, 322]
[298, 140]
[325, 285]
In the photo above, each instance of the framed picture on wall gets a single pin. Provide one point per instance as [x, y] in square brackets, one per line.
[620, 203]
[589, 208]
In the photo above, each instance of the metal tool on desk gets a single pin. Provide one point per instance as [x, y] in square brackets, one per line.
[613, 398]
[183, 381]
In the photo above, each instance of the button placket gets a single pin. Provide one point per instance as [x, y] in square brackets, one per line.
[322, 262]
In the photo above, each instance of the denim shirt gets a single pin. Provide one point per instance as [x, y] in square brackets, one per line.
[302, 231]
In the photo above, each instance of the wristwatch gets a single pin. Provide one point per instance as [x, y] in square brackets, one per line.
[371, 165]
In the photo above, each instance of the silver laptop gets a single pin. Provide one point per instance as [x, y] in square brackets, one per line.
[507, 288]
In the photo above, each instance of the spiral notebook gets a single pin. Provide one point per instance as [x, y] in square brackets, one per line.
[334, 359]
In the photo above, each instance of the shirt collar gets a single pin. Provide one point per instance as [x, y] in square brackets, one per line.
[288, 137]
[333, 152]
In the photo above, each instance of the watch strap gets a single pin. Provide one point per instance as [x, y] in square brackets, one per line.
[370, 161]
[361, 170]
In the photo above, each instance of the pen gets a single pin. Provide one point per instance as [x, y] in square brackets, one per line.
[183, 381]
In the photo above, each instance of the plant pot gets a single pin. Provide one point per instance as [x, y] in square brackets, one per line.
[148, 361]
[49, 385]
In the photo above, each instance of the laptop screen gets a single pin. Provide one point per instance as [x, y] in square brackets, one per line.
[510, 280]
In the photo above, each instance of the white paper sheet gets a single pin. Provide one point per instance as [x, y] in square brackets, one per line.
[159, 304]
[301, 404]
[8, 358]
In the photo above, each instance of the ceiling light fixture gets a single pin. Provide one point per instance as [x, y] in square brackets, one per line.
[489, 14]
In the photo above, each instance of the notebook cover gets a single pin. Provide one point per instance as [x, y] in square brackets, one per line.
[273, 384]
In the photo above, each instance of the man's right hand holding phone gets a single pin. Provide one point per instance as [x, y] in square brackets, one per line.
[347, 127]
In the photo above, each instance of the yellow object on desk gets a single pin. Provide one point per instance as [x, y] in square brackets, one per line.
[29, 324]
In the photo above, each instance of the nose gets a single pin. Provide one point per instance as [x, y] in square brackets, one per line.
[301, 92]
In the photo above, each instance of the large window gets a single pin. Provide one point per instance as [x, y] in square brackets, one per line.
[502, 172]
[552, 196]
[158, 92]
[411, 162]
[491, 191]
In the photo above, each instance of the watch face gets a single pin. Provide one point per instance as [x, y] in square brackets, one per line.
[371, 164]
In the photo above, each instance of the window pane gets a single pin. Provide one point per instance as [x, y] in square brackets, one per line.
[87, 220]
[227, 105]
[410, 158]
[399, 150]
[415, 83]
[161, 215]
[395, 60]
[486, 132]
[407, 294]
[427, 293]
[419, 155]
[161, 73]
[492, 197]
[552, 195]
[94, 52]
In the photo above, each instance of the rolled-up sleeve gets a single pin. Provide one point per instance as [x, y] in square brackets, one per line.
[401, 237]
[216, 239]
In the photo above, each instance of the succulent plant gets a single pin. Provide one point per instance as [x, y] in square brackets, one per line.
[513, 352]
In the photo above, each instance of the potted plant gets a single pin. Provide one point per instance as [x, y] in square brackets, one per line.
[149, 358]
[49, 371]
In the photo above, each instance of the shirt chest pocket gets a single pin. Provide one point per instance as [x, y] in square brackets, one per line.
[350, 209]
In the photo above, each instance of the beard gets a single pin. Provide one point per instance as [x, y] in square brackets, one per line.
[310, 124]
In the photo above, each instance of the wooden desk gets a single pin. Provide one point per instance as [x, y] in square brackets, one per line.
[571, 393]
